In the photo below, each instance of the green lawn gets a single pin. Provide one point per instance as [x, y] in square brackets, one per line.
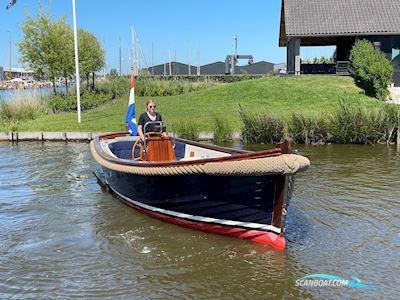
[279, 95]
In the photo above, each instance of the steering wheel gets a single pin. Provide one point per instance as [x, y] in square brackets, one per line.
[141, 146]
[137, 144]
[150, 134]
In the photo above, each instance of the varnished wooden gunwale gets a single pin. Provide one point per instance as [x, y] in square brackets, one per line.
[239, 154]
[281, 189]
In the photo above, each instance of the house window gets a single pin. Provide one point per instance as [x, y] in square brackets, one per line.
[396, 59]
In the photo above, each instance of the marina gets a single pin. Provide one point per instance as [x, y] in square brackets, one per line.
[8, 94]
[66, 238]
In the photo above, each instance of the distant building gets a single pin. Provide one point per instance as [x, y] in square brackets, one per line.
[216, 68]
[261, 67]
[280, 68]
[177, 68]
[15, 73]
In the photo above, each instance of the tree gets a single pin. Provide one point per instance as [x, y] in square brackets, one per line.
[91, 55]
[64, 43]
[32, 46]
[113, 72]
[46, 47]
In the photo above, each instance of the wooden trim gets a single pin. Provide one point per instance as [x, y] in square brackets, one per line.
[193, 143]
[286, 146]
[279, 201]
[240, 155]
[112, 135]
[281, 187]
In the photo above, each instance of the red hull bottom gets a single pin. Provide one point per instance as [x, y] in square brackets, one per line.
[269, 238]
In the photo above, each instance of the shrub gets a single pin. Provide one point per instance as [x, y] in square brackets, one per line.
[371, 69]
[222, 130]
[117, 86]
[9, 125]
[158, 86]
[89, 100]
[202, 78]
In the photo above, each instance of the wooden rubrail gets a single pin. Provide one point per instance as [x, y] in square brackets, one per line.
[159, 149]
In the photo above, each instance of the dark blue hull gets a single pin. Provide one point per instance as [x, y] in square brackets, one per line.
[238, 198]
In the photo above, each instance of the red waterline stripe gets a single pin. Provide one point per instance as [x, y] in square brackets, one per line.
[269, 238]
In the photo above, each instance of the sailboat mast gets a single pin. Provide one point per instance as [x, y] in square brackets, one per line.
[152, 58]
[133, 51]
[137, 53]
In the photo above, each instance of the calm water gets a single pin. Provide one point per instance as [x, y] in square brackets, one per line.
[61, 237]
[6, 95]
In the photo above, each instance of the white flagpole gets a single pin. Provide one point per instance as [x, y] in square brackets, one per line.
[78, 93]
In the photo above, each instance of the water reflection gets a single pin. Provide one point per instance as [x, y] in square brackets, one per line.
[65, 238]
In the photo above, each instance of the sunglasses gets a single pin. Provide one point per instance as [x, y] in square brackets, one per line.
[150, 106]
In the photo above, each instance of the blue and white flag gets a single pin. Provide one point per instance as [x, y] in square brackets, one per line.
[130, 118]
[10, 3]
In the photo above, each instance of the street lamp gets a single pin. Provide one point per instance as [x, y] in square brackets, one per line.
[233, 58]
[236, 39]
[10, 73]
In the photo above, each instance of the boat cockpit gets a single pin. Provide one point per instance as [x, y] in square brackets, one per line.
[158, 146]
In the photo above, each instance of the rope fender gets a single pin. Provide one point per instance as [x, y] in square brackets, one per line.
[285, 164]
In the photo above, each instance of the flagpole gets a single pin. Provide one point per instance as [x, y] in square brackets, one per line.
[78, 93]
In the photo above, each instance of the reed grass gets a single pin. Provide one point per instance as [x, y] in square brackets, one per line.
[223, 131]
[308, 129]
[361, 124]
[347, 124]
[20, 108]
[391, 122]
[261, 128]
[188, 129]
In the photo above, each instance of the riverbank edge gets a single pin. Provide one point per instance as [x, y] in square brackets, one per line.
[79, 136]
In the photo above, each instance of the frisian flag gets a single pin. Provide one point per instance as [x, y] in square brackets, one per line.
[130, 118]
[11, 3]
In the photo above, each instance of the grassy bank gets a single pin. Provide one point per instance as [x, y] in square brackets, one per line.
[281, 96]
